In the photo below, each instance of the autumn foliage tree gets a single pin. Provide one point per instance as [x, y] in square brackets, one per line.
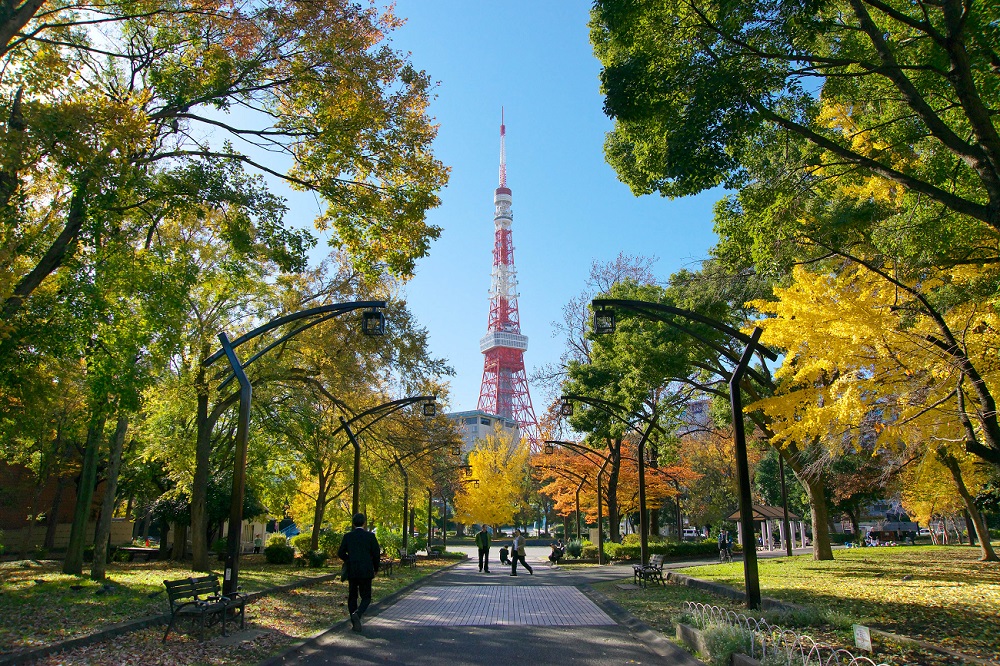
[498, 477]
[863, 372]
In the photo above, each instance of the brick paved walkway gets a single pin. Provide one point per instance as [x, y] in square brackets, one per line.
[493, 605]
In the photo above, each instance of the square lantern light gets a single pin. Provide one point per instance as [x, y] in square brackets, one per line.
[476, 483]
[430, 408]
[549, 448]
[566, 408]
[373, 323]
[468, 470]
[456, 450]
[604, 321]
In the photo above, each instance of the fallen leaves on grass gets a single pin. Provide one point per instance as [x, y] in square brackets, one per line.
[948, 597]
[273, 622]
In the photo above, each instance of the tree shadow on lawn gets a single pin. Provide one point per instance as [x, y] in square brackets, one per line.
[40, 605]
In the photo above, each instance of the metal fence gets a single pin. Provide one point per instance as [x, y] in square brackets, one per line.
[771, 643]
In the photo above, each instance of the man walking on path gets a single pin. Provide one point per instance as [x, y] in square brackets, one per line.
[360, 551]
[483, 544]
[517, 554]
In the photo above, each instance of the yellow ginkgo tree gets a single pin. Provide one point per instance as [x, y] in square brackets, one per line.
[871, 365]
[499, 473]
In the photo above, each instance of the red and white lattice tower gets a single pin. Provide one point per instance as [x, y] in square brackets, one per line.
[504, 391]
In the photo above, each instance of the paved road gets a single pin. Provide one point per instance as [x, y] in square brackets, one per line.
[463, 616]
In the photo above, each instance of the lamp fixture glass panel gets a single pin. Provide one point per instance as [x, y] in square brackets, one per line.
[549, 449]
[456, 450]
[566, 408]
[604, 321]
[430, 408]
[373, 323]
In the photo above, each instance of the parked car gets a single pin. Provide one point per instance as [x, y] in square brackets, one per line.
[924, 532]
[691, 533]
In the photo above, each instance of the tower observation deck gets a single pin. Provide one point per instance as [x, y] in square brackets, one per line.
[504, 391]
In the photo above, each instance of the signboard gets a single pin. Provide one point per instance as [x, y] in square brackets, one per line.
[862, 637]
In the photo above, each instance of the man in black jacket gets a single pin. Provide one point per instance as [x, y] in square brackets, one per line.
[360, 551]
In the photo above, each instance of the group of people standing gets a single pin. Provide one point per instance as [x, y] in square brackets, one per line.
[515, 555]
[361, 554]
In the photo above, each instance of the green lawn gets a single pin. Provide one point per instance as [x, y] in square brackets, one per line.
[39, 605]
[941, 594]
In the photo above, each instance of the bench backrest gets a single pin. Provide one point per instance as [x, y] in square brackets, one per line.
[192, 588]
[656, 561]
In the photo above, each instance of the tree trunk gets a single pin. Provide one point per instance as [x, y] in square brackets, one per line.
[986, 548]
[98, 570]
[318, 513]
[614, 520]
[73, 563]
[164, 532]
[202, 469]
[62, 248]
[146, 522]
[855, 527]
[180, 543]
[970, 530]
[32, 519]
[53, 515]
[816, 489]
[654, 523]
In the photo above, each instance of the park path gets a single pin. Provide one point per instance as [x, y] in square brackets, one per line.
[463, 616]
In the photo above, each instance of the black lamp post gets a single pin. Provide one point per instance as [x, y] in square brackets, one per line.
[407, 522]
[667, 314]
[567, 474]
[550, 449]
[616, 411]
[373, 323]
[444, 502]
[383, 411]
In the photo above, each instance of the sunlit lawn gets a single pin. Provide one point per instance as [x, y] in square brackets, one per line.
[941, 594]
[39, 606]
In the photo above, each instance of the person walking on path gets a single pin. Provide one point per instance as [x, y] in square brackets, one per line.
[360, 551]
[517, 554]
[483, 544]
[257, 543]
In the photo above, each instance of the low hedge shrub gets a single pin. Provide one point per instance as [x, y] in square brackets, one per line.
[329, 541]
[302, 542]
[277, 550]
[316, 558]
[623, 551]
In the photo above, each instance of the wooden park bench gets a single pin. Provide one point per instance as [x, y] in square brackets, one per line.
[385, 566]
[146, 554]
[407, 560]
[200, 598]
[641, 573]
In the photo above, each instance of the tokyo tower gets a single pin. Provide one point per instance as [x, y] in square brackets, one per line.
[504, 391]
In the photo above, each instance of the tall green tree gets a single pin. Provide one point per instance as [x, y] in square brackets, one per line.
[145, 118]
[875, 95]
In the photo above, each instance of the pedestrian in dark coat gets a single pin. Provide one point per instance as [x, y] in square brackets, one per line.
[483, 544]
[360, 551]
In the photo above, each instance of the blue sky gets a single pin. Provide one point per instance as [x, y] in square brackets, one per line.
[535, 60]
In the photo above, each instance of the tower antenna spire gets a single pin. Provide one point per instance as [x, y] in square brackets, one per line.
[503, 152]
